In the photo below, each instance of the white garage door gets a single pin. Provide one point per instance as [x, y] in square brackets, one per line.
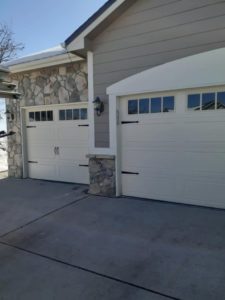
[57, 143]
[173, 147]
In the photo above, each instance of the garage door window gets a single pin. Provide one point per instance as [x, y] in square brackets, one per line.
[143, 106]
[37, 116]
[194, 102]
[31, 116]
[41, 116]
[69, 114]
[154, 105]
[73, 114]
[206, 101]
[168, 104]
[49, 115]
[76, 114]
[83, 113]
[221, 100]
[132, 107]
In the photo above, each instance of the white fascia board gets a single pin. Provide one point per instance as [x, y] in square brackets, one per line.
[201, 70]
[78, 43]
[45, 62]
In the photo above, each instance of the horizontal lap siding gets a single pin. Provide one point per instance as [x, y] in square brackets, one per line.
[149, 33]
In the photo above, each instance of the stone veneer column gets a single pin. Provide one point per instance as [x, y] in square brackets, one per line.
[102, 172]
[15, 165]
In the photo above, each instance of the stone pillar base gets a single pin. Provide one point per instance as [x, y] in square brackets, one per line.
[102, 172]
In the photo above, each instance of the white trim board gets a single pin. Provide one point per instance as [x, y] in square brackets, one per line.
[57, 105]
[45, 62]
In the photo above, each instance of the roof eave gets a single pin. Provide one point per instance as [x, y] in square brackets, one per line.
[79, 39]
[43, 63]
[93, 18]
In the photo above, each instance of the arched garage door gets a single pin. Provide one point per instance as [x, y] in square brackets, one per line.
[173, 146]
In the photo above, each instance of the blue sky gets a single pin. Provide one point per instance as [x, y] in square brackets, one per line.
[41, 24]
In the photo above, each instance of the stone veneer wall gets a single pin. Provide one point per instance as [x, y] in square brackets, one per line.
[52, 85]
[102, 171]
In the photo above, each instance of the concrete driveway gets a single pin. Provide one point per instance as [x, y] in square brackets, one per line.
[57, 242]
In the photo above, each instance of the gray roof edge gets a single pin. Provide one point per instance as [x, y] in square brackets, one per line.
[38, 56]
[89, 21]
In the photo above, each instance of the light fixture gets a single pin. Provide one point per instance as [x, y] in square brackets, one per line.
[98, 106]
[10, 115]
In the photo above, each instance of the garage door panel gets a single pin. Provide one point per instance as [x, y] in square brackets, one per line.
[68, 153]
[56, 148]
[41, 134]
[43, 170]
[139, 158]
[210, 163]
[69, 132]
[180, 157]
[155, 187]
[141, 132]
[193, 193]
[37, 151]
[203, 131]
[74, 173]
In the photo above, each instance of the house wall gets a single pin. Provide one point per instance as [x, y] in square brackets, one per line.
[52, 85]
[150, 33]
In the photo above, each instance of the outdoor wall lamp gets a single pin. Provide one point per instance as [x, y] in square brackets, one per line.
[10, 115]
[98, 106]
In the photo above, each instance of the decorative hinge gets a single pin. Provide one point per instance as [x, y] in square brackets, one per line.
[83, 125]
[32, 162]
[130, 173]
[129, 122]
[31, 126]
[84, 166]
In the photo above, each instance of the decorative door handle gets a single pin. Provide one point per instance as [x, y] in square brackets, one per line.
[56, 150]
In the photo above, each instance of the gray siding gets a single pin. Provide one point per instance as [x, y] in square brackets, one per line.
[149, 33]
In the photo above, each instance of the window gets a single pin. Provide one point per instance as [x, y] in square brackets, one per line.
[31, 116]
[69, 114]
[132, 107]
[43, 116]
[208, 101]
[37, 116]
[156, 106]
[143, 106]
[194, 102]
[83, 113]
[153, 105]
[62, 115]
[49, 115]
[76, 114]
[73, 114]
[168, 104]
[221, 100]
